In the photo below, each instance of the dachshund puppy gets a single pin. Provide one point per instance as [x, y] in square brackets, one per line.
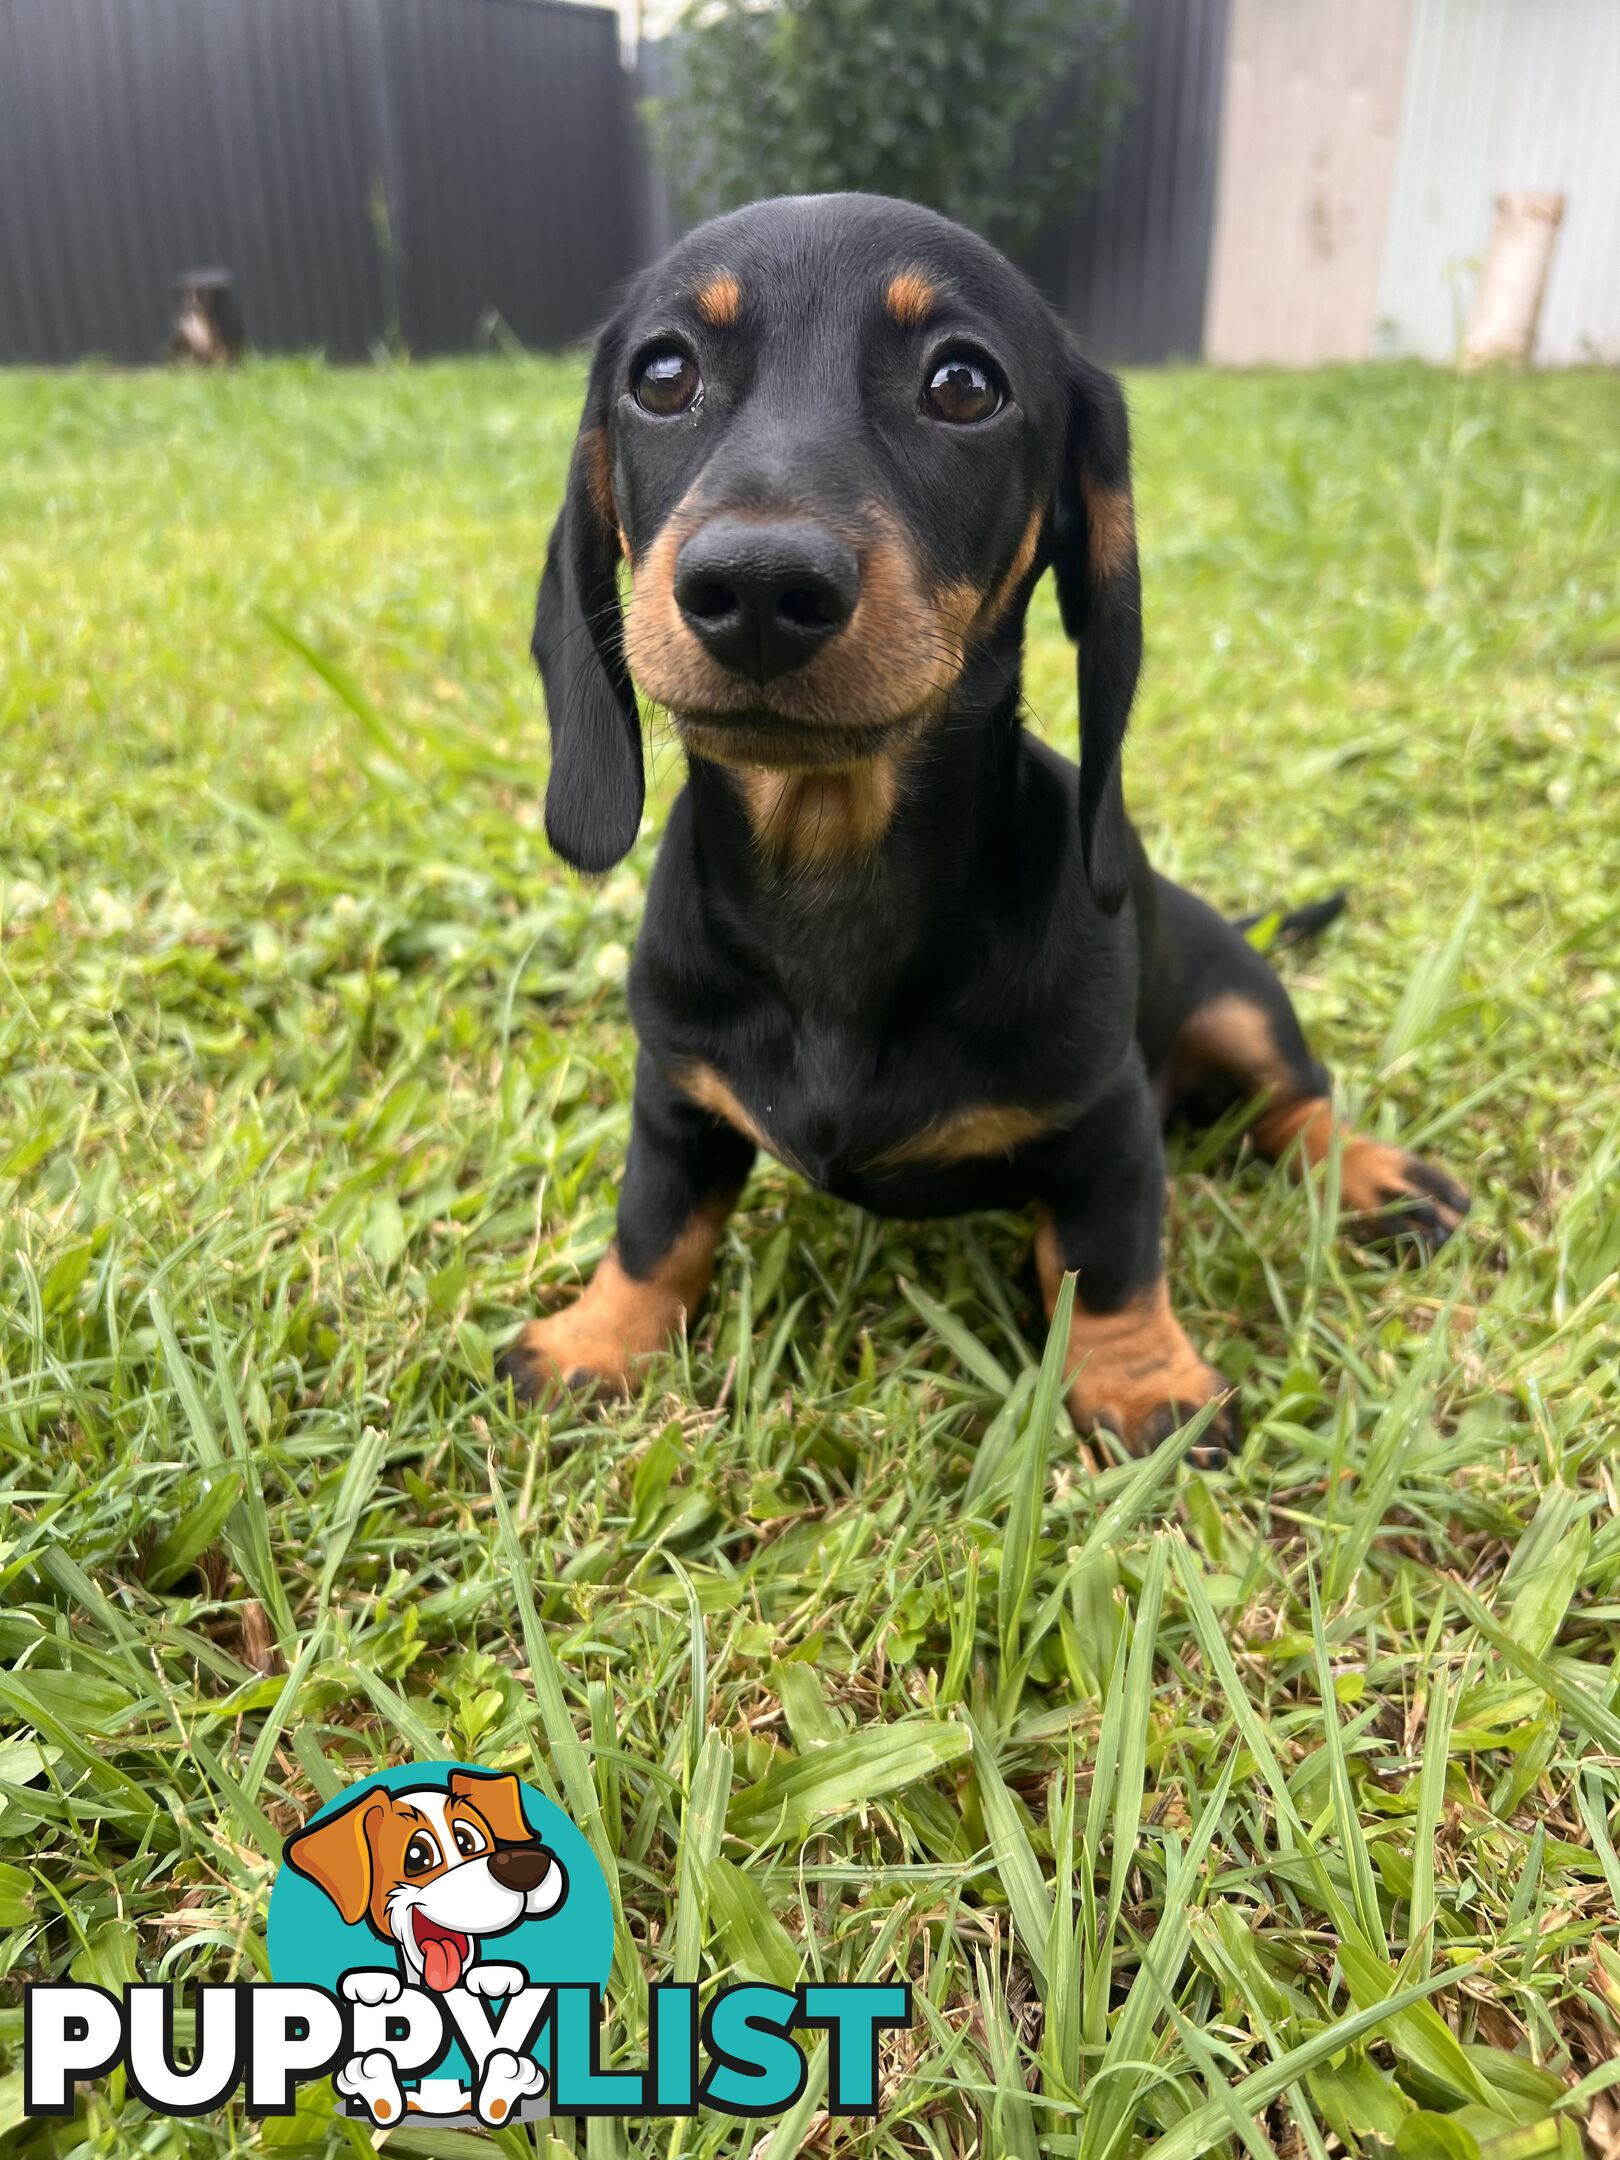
[909, 951]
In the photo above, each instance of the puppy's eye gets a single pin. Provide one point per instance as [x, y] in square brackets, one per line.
[468, 1841]
[962, 389]
[421, 1854]
[667, 381]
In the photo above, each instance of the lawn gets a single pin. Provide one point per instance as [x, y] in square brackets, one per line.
[315, 1072]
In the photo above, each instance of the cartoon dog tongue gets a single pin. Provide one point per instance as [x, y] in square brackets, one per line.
[443, 1953]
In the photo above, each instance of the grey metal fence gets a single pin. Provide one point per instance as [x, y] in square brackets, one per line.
[358, 164]
[362, 165]
[1130, 270]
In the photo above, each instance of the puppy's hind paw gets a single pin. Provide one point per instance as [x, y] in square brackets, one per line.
[1404, 1202]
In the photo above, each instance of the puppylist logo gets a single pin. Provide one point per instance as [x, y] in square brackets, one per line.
[439, 1939]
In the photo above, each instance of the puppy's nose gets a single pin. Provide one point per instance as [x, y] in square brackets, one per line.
[765, 594]
[520, 1867]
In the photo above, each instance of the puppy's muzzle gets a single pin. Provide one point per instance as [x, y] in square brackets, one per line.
[763, 596]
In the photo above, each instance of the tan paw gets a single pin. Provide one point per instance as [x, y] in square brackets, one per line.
[1135, 1371]
[1143, 1387]
[597, 1342]
[1401, 1199]
[549, 1359]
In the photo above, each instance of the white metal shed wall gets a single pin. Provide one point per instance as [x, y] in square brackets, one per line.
[1506, 94]
[1440, 203]
[1308, 139]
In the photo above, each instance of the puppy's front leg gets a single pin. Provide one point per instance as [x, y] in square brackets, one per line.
[682, 1176]
[1133, 1368]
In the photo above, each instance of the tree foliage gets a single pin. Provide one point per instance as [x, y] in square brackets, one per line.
[996, 112]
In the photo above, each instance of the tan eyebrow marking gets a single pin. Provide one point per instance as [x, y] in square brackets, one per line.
[909, 296]
[719, 300]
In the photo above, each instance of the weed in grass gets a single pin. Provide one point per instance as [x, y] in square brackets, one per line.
[1271, 1808]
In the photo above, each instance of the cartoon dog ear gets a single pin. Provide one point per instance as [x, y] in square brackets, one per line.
[1099, 588]
[336, 1854]
[498, 1799]
[597, 786]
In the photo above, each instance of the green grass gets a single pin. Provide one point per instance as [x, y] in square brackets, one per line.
[315, 1074]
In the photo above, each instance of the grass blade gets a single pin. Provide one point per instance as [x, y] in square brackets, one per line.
[703, 1823]
[1014, 1857]
[1206, 2126]
[1352, 1841]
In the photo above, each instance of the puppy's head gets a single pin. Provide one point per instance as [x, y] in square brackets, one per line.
[836, 439]
[432, 1869]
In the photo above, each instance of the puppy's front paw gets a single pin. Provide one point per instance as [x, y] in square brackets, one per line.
[598, 1341]
[563, 1354]
[501, 1980]
[372, 2080]
[1402, 1200]
[1135, 1372]
[506, 2078]
[372, 1987]
[1143, 1426]
[1144, 1403]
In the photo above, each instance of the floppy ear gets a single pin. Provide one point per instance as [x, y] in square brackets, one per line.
[499, 1801]
[596, 789]
[1100, 596]
[336, 1854]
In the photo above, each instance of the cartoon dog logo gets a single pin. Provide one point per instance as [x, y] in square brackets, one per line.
[434, 1871]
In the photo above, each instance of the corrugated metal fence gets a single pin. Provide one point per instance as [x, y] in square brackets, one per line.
[1131, 268]
[361, 166]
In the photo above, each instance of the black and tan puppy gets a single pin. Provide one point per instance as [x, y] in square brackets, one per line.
[912, 953]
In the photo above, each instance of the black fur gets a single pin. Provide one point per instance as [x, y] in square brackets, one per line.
[597, 786]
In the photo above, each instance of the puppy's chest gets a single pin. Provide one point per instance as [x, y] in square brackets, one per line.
[842, 1112]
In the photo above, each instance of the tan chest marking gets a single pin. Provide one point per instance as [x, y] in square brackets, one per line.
[701, 1084]
[821, 817]
[985, 1129]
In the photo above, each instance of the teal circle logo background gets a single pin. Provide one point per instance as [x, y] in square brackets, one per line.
[310, 1943]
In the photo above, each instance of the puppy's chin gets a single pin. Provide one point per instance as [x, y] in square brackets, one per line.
[766, 741]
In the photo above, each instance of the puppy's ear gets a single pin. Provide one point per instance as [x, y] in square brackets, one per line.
[1100, 596]
[499, 1800]
[336, 1855]
[596, 789]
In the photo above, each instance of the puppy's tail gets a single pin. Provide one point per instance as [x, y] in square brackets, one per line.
[1271, 930]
